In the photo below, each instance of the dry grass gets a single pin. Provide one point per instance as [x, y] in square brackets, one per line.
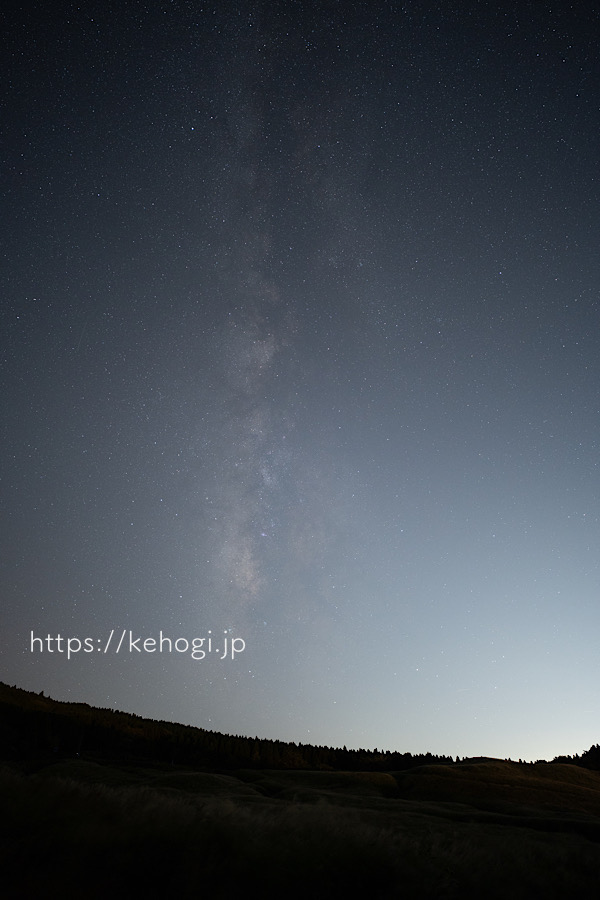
[79, 829]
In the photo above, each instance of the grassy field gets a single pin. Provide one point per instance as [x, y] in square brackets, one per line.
[493, 829]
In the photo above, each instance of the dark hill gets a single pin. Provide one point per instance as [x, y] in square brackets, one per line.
[97, 802]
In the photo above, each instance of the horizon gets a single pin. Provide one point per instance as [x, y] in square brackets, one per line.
[366, 750]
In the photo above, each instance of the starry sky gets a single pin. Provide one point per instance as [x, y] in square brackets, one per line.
[300, 350]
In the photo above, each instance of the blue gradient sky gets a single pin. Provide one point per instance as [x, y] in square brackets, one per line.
[300, 342]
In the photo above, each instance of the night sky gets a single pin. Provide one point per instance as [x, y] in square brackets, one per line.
[300, 346]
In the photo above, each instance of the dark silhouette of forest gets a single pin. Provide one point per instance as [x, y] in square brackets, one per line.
[35, 726]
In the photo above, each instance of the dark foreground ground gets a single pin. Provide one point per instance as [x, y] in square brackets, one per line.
[80, 828]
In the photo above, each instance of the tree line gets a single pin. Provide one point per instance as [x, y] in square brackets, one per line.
[35, 726]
